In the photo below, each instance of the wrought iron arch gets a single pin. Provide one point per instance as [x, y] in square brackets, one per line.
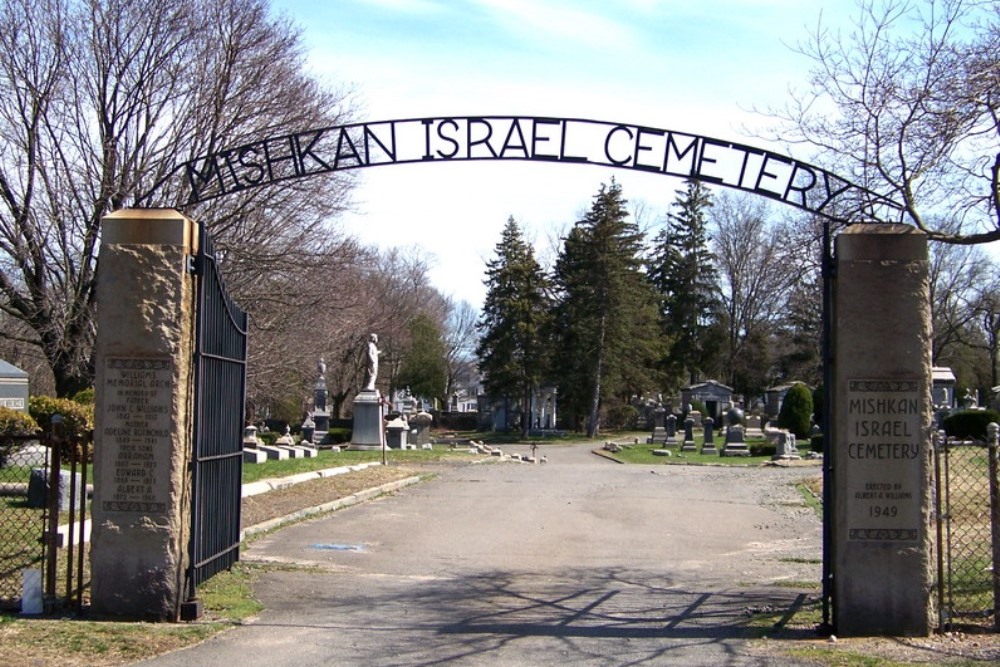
[551, 139]
[525, 138]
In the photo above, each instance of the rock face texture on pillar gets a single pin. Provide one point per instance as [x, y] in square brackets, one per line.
[142, 439]
[883, 552]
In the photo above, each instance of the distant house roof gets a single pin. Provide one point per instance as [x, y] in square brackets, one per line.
[942, 374]
[10, 371]
[708, 384]
[786, 386]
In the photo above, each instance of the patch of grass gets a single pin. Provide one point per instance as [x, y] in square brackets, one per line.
[642, 454]
[804, 561]
[78, 643]
[837, 658]
[329, 459]
[228, 595]
[803, 613]
[811, 495]
[797, 584]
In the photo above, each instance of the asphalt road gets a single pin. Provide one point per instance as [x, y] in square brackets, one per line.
[577, 562]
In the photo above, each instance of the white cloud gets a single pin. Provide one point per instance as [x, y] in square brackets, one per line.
[405, 6]
[558, 25]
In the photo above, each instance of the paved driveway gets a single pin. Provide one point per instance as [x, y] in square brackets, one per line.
[577, 562]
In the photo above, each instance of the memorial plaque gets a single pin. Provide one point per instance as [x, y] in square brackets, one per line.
[137, 433]
[883, 460]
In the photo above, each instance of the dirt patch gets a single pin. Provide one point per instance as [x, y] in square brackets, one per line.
[275, 504]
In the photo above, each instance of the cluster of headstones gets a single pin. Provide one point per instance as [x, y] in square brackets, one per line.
[285, 447]
[489, 450]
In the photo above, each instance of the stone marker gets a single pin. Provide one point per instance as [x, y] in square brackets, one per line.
[689, 444]
[883, 530]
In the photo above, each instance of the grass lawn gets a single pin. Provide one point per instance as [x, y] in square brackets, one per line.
[643, 454]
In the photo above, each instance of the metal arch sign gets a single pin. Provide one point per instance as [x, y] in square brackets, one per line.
[532, 138]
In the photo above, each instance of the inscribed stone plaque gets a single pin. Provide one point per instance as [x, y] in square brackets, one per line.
[137, 434]
[884, 436]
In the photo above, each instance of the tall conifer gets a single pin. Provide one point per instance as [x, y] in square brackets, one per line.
[511, 349]
[682, 269]
[605, 318]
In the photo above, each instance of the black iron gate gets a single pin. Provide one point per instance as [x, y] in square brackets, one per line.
[220, 391]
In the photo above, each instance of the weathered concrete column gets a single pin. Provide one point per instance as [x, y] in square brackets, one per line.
[142, 439]
[883, 547]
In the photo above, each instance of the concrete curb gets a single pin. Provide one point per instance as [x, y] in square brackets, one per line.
[340, 503]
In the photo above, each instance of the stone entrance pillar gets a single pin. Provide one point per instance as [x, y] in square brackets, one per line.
[883, 547]
[143, 437]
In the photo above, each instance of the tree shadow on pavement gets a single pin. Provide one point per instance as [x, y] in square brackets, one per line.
[580, 617]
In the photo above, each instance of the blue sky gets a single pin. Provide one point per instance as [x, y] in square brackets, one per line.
[694, 66]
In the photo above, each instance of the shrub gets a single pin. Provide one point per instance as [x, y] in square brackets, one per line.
[796, 410]
[16, 423]
[78, 419]
[818, 405]
[621, 417]
[969, 424]
[762, 448]
[85, 397]
[338, 435]
[816, 443]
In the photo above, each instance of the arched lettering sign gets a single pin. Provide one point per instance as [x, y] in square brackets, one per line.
[535, 138]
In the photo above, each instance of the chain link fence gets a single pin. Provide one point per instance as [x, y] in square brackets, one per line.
[968, 532]
[44, 530]
[24, 464]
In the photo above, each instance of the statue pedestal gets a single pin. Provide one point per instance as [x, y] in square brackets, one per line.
[367, 431]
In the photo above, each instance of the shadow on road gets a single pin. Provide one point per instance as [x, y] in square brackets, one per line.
[579, 617]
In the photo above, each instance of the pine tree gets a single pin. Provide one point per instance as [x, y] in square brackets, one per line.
[511, 351]
[683, 272]
[605, 318]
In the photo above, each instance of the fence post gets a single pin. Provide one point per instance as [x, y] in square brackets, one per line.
[994, 454]
[940, 443]
[52, 529]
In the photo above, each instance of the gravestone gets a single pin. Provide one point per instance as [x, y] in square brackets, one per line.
[420, 428]
[320, 417]
[671, 428]
[709, 432]
[735, 442]
[689, 443]
[785, 449]
[396, 433]
[38, 489]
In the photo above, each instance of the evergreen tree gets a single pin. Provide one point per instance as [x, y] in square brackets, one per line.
[424, 367]
[683, 271]
[605, 318]
[511, 348]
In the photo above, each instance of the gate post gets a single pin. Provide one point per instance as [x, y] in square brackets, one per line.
[142, 439]
[883, 564]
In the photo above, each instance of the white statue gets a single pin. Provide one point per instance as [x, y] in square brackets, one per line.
[371, 362]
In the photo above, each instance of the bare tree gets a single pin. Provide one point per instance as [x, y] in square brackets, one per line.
[98, 100]
[461, 337]
[757, 268]
[907, 104]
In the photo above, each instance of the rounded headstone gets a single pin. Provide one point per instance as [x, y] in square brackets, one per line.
[735, 416]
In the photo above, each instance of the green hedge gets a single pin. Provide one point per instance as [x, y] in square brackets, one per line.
[338, 435]
[796, 410]
[969, 424]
